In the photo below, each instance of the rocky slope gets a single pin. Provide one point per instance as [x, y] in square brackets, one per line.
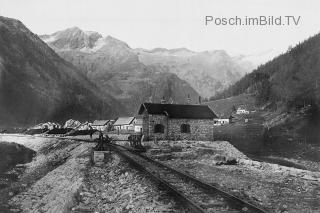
[135, 75]
[208, 72]
[36, 84]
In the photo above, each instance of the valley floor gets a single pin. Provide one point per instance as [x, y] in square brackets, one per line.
[62, 178]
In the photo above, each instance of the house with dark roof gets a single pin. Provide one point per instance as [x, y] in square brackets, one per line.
[177, 121]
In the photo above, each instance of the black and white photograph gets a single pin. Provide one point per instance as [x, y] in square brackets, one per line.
[159, 106]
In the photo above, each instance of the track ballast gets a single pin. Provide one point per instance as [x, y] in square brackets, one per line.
[194, 194]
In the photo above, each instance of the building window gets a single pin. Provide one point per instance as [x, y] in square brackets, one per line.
[185, 128]
[158, 128]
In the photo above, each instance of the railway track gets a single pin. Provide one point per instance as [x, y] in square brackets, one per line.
[194, 194]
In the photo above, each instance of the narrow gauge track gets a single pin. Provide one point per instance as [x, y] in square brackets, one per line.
[196, 195]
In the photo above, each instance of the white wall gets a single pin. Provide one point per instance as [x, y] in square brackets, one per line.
[124, 127]
[221, 121]
[137, 128]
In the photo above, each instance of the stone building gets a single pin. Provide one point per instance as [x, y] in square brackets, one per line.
[177, 121]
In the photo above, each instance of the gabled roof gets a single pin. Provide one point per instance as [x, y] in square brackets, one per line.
[178, 110]
[100, 122]
[123, 121]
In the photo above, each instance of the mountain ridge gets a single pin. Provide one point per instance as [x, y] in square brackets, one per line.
[36, 84]
[207, 72]
[115, 67]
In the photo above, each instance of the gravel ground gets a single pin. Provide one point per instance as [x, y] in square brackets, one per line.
[50, 181]
[62, 178]
[116, 187]
[275, 188]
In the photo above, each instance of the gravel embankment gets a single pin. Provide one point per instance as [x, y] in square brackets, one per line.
[62, 178]
[116, 187]
[274, 187]
[51, 180]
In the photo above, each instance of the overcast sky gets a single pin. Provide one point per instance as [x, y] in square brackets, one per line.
[172, 23]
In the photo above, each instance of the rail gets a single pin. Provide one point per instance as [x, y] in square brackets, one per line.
[195, 194]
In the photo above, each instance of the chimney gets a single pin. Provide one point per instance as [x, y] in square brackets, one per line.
[163, 101]
[200, 100]
[189, 99]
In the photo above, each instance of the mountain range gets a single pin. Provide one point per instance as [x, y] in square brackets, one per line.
[123, 71]
[82, 75]
[36, 84]
[207, 72]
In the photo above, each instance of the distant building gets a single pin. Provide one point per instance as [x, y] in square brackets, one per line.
[221, 121]
[72, 124]
[85, 126]
[102, 125]
[124, 123]
[177, 121]
[47, 125]
[242, 111]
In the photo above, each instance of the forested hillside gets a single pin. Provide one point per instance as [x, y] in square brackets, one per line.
[291, 79]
